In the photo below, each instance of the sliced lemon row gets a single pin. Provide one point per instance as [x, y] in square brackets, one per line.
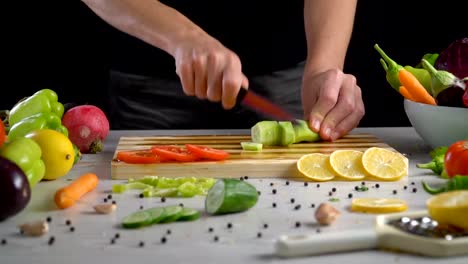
[316, 166]
[378, 205]
[449, 208]
[384, 164]
[348, 164]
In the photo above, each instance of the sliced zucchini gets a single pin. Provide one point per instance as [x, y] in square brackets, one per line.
[230, 196]
[157, 214]
[304, 133]
[137, 219]
[171, 213]
[288, 135]
[189, 214]
[251, 146]
[266, 132]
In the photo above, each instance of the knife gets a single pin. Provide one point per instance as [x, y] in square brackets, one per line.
[264, 106]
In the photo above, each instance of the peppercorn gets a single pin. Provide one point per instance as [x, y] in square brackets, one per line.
[141, 195]
[415, 190]
[356, 188]
[163, 239]
[350, 195]
[246, 177]
[363, 183]
[141, 207]
[287, 182]
[105, 199]
[377, 185]
[318, 185]
[259, 234]
[68, 222]
[109, 196]
[271, 184]
[114, 202]
[51, 240]
[394, 191]
[241, 178]
[274, 204]
[333, 189]
[273, 191]
[292, 200]
[112, 241]
[181, 205]
[210, 229]
[229, 225]
[412, 183]
[168, 232]
[49, 219]
[117, 235]
[306, 184]
[298, 224]
[330, 193]
[142, 244]
[259, 192]
[216, 238]
[163, 199]
[72, 229]
[265, 226]
[297, 207]
[4, 241]
[312, 205]
[318, 230]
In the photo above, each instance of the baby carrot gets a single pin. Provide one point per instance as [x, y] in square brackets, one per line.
[405, 93]
[68, 195]
[415, 88]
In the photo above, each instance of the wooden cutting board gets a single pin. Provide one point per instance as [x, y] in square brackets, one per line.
[272, 161]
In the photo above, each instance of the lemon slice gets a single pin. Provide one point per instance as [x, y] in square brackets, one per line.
[348, 164]
[384, 164]
[450, 208]
[378, 205]
[316, 166]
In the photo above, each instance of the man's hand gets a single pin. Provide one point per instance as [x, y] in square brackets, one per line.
[208, 70]
[332, 103]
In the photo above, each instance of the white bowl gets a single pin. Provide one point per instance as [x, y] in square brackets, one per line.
[438, 125]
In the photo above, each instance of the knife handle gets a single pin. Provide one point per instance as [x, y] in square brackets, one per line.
[241, 95]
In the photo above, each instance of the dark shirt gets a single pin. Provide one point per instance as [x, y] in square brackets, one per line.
[266, 35]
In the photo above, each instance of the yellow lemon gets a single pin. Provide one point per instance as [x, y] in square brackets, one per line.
[348, 164]
[450, 208]
[384, 164]
[57, 152]
[316, 166]
[378, 205]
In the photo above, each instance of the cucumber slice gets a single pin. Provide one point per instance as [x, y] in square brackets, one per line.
[137, 219]
[171, 213]
[252, 146]
[288, 135]
[266, 132]
[189, 214]
[157, 214]
[230, 196]
[304, 133]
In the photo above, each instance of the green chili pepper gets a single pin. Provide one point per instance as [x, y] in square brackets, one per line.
[391, 69]
[458, 182]
[430, 57]
[45, 120]
[43, 101]
[25, 153]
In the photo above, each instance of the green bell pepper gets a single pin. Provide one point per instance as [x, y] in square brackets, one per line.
[43, 101]
[44, 120]
[25, 153]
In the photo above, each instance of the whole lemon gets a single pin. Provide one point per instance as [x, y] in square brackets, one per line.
[57, 152]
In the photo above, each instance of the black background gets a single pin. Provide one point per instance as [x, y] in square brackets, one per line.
[63, 45]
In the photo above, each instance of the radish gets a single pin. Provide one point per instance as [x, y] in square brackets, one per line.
[87, 127]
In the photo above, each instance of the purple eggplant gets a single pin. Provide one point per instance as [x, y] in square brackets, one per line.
[15, 190]
[454, 58]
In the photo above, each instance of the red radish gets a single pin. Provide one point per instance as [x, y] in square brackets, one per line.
[87, 127]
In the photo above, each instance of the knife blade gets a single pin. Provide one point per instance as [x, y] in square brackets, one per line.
[264, 106]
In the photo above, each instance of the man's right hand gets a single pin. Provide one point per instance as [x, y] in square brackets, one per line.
[208, 70]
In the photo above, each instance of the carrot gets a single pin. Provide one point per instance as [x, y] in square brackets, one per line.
[68, 195]
[415, 88]
[405, 93]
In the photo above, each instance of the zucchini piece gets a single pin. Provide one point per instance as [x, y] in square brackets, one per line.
[304, 133]
[157, 214]
[288, 135]
[252, 146]
[171, 213]
[137, 219]
[189, 214]
[266, 132]
[230, 196]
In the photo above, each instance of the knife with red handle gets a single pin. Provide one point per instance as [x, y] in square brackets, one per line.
[264, 106]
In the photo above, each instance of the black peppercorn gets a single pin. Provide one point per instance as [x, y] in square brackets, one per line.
[297, 207]
[306, 184]
[312, 205]
[229, 225]
[246, 177]
[51, 240]
[117, 235]
[141, 195]
[68, 222]
[4, 241]
[271, 184]
[241, 178]
[72, 229]
[273, 191]
[412, 183]
[298, 224]
[181, 205]
[330, 193]
[259, 234]
[274, 205]
[216, 238]
[333, 189]
[163, 199]
[377, 185]
[168, 232]
[265, 226]
[394, 191]
[105, 199]
[210, 229]
[350, 195]
[49, 219]
[415, 190]
[112, 241]
[163, 240]
[259, 192]
[114, 202]
[363, 183]
[356, 188]
[141, 207]
[109, 196]
[318, 185]
[142, 244]
[287, 182]
[292, 200]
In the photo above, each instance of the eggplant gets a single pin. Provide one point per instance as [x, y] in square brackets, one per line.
[15, 192]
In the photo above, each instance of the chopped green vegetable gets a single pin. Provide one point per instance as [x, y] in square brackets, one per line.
[266, 132]
[171, 213]
[189, 214]
[304, 133]
[120, 188]
[159, 215]
[288, 135]
[362, 188]
[458, 182]
[137, 219]
[334, 199]
[437, 162]
[230, 196]
[252, 146]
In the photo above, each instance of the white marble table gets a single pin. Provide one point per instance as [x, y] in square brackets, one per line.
[191, 242]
